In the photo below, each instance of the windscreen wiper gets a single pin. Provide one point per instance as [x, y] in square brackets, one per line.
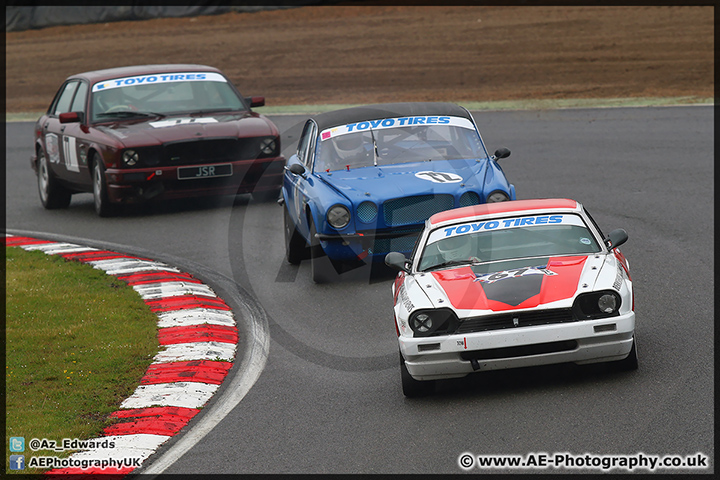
[453, 263]
[130, 113]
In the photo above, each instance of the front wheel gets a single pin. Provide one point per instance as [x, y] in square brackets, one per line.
[52, 194]
[630, 362]
[103, 207]
[411, 387]
[295, 245]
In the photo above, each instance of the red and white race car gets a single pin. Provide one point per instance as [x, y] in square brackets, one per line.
[511, 284]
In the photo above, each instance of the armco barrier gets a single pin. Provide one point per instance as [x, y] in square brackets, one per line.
[19, 18]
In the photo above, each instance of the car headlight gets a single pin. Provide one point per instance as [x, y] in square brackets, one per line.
[268, 146]
[601, 304]
[338, 216]
[426, 323]
[130, 157]
[497, 197]
[607, 303]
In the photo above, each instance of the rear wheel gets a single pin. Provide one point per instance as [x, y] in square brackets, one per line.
[411, 387]
[103, 207]
[322, 268]
[295, 245]
[52, 194]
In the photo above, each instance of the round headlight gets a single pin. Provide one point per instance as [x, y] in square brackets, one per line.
[267, 146]
[497, 197]
[607, 303]
[130, 157]
[422, 323]
[338, 216]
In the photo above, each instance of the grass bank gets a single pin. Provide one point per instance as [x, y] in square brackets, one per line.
[546, 104]
[78, 342]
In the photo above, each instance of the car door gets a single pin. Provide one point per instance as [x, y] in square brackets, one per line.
[64, 142]
[298, 185]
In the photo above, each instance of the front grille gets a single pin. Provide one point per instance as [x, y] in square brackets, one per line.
[506, 320]
[469, 198]
[366, 212]
[204, 151]
[409, 210]
[399, 244]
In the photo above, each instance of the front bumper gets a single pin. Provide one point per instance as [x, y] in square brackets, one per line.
[141, 184]
[587, 341]
[373, 245]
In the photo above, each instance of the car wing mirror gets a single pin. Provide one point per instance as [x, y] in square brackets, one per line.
[255, 101]
[296, 169]
[616, 238]
[397, 261]
[501, 152]
[70, 117]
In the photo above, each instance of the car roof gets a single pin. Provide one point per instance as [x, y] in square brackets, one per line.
[387, 110]
[469, 213]
[110, 73]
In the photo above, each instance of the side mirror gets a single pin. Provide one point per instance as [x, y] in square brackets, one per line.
[255, 101]
[616, 238]
[501, 152]
[296, 169]
[397, 261]
[69, 117]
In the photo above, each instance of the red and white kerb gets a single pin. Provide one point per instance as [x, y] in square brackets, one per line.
[197, 337]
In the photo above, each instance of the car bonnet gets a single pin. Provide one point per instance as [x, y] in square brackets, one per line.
[551, 282]
[400, 180]
[156, 130]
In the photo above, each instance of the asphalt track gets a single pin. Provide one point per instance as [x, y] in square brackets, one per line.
[328, 400]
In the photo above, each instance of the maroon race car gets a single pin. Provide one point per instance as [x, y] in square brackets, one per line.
[151, 132]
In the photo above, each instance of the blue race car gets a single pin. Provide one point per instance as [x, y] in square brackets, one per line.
[365, 180]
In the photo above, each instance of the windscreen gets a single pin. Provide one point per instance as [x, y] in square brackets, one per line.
[164, 94]
[506, 239]
[391, 141]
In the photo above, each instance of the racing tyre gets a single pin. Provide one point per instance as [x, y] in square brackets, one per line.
[102, 205]
[629, 363]
[295, 245]
[322, 268]
[411, 387]
[52, 194]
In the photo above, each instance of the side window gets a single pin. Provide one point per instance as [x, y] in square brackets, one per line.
[78, 104]
[312, 134]
[65, 98]
[305, 140]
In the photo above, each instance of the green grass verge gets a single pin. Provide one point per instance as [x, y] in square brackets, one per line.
[548, 104]
[78, 341]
